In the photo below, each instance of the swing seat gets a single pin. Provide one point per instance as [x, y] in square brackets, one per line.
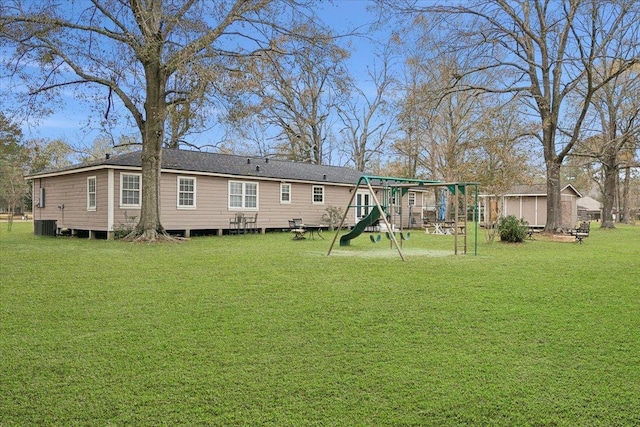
[406, 236]
[375, 239]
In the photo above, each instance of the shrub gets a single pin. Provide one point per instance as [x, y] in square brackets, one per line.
[123, 230]
[332, 217]
[512, 229]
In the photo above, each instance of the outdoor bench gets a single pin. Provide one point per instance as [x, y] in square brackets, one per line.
[531, 232]
[581, 232]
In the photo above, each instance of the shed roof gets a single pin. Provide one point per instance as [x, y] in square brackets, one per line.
[223, 164]
[589, 204]
[535, 190]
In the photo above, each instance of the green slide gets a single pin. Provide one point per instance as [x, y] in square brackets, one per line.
[360, 226]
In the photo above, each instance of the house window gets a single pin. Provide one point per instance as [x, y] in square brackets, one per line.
[186, 193]
[243, 195]
[318, 194]
[130, 190]
[285, 193]
[91, 193]
[412, 199]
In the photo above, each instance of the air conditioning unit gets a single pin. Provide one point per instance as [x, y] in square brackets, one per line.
[46, 227]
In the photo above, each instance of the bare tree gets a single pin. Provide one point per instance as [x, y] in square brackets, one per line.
[628, 162]
[500, 156]
[47, 154]
[103, 145]
[367, 123]
[618, 108]
[440, 128]
[137, 52]
[292, 91]
[414, 124]
[544, 51]
[13, 161]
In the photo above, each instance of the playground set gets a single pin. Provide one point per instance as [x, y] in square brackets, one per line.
[388, 210]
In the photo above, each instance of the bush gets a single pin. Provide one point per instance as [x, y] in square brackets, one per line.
[512, 229]
[123, 230]
[332, 217]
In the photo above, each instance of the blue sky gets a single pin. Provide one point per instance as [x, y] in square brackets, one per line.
[69, 121]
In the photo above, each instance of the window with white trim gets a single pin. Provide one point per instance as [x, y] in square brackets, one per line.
[130, 190]
[243, 195]
[285, 192]
[91, 193]
[412, 198]
[186, 192]
[317, 194]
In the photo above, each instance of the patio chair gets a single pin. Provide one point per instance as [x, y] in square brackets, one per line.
[295, 226]
[237, 224]
[250, 223]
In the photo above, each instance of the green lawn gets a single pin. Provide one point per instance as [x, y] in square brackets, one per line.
[260, 330]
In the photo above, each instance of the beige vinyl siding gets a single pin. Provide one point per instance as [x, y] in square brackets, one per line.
[71, 191]
[212, 210]
[211, 202]
[210, 199]
[274, 214]
[123, 216]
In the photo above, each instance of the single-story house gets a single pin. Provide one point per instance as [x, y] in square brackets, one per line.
[589, 209]
[529, 202]
[200, 193]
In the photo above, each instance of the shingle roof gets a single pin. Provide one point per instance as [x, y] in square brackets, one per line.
[589, 204]
[534, 190]
[228, 164]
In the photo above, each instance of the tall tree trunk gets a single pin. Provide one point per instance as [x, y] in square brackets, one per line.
[554, 212]
[626, 206]
[553, 163]
[610, 168]
[150, 225]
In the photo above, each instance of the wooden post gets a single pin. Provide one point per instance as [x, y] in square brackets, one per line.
[392, 236]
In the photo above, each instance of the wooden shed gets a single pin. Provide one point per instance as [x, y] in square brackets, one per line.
[589, 209]
[529, 202]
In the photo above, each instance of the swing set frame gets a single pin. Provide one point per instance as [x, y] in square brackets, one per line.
[394, 186]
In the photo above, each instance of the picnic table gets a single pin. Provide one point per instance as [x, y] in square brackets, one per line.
[299, 229]
[313, 228]
[443, 227]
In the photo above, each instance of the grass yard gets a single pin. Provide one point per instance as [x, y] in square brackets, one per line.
[260, 330]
